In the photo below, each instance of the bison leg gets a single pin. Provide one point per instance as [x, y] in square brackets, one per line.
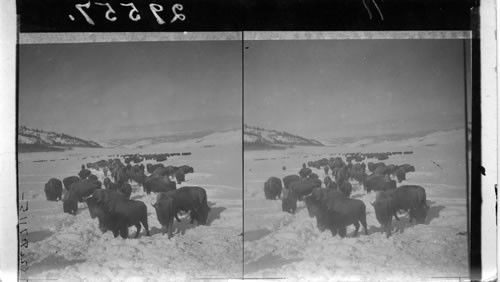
[138, 226]
[124, 231]
[388, 229]
[342, 232]
[170, 226]
[363, 222]
[333, 231]
[145, 224]
[356, 225]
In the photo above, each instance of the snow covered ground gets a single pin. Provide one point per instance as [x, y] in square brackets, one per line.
[281, 245]
[68, 248]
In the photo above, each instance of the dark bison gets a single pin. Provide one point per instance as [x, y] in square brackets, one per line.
[84, 188]
[187, 169]
[136, 173]
[329, 183]
[382, 169]
[126, 190]
[341, 175]
[152, 167]
[84, 173]
[192, 199]
[166, 212]
[70, 202]
[158, 184]
[401, 174]
[376, 182]
[289, 179]
[373, 166]
[304, 172]
[53, 189]
[92, 177]
[70, 180]
[346, 189]
[406, 197]
[288, 201]
[357, 173]
[313, 176]
[77, 192]
[272, 188]
[408, 168]
[123, 214]
[180, 176]
[304, 187]
[335, 212]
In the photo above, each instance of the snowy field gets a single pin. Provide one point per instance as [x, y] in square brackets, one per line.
[66, 247]
[281, 245]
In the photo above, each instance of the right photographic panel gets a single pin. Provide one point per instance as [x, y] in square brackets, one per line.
[356, 158]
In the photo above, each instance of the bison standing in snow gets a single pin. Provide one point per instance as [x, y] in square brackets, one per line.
[53, 189]
[334, 211]
[84, 173]
[192, 199]
[377, 182]
[126, 190]
[304, 187]
[77, 192]
[272, 188]
[70, 180]
[304, 172]
[406, 197]
[346, 189]
[166, 212]
[118, 214]
[289, 179]
[158, 184]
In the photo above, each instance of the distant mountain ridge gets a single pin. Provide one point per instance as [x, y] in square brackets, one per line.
[260, 138]
[151, 140]
[383, 137]
[29, 139]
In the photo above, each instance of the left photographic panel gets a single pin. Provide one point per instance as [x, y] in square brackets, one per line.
[130, 158]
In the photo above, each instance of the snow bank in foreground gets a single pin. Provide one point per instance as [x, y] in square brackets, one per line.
[202, 251]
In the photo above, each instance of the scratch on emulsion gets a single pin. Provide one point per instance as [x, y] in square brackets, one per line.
[369, 11]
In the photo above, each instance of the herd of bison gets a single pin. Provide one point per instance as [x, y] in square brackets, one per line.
[110, 201]
[330, 202]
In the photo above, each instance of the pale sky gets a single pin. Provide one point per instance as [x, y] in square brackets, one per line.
[319, 89]
[101, 91]
[348, 88]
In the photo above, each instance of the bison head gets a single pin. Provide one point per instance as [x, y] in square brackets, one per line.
[420, 214]
[382, 208]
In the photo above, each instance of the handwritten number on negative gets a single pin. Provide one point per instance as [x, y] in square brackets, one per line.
[80, 7]
[131, 15]
[22, 208]
[24, 243]
[134, 13]
[108, 12]
[177, 16]
[155, 8]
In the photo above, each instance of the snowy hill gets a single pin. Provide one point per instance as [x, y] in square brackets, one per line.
[256, 137]
[152, 140]
[38, 140]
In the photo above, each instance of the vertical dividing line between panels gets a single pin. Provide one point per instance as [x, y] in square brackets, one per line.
[242, 155]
